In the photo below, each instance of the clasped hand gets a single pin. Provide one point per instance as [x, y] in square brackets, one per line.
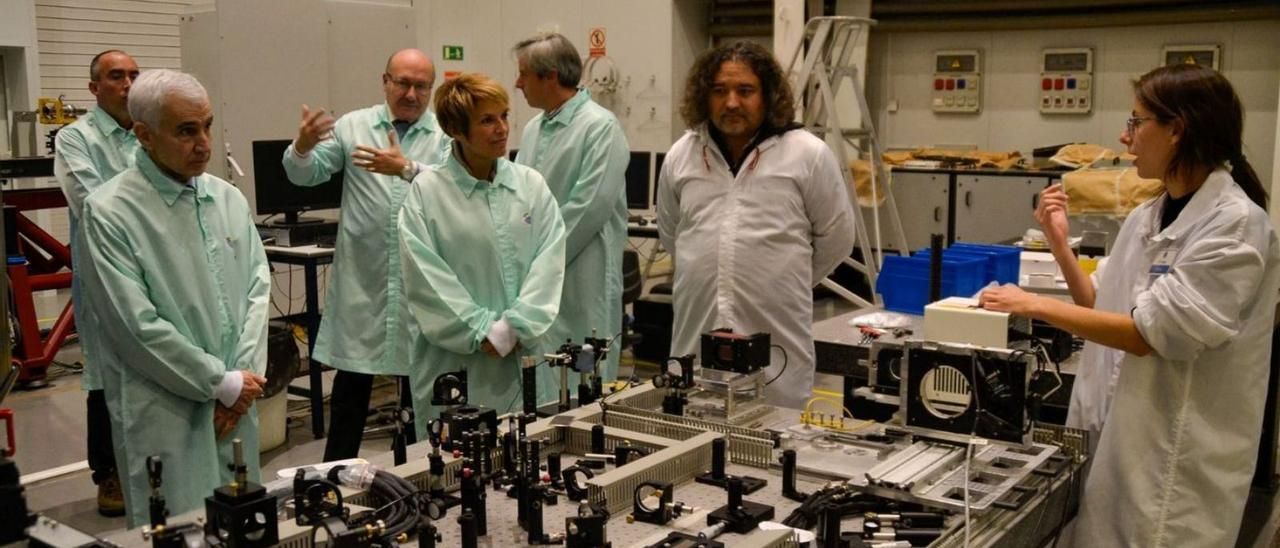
[489, 350]
[225, 419]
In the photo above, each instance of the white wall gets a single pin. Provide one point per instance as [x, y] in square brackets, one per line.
[901, 69]
[71, 32]
[261, 61]
[21, 63]
[847, 105]
[651, 44]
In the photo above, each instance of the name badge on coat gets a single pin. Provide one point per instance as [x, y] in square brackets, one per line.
[1162, 265]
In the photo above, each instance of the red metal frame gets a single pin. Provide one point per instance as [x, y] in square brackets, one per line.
[43, 271]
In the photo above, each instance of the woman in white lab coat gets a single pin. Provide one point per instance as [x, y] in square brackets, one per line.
[1180, 320]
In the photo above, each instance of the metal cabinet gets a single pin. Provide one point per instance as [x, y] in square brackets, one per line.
[923, 204]
[996, 208]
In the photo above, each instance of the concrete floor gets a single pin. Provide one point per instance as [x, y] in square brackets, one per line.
[60, 409]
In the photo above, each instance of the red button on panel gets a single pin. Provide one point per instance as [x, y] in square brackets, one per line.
[937, 84]
[951, 84]
[1059, 83]
[1046, 84]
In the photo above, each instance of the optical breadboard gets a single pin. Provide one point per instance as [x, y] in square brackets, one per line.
[1202, 54]
[1066, 81]
[957, 78]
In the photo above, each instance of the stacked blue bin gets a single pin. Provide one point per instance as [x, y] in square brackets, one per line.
[1003, 262]
[904, 281]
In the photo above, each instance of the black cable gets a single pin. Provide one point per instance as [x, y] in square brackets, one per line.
[1066, 504]
[785, 361]
[604, 409]
[631, 381]
[396, 490]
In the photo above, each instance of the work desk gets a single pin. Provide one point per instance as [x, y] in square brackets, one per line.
[310, 257]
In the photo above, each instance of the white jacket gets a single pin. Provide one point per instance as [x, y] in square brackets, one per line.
[749, 249]
[1180, 442]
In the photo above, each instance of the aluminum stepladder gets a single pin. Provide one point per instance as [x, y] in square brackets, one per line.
[818, 69]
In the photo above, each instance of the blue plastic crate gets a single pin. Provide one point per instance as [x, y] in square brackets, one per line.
[904, 281]
[1004, 263]
[1006, 260]
[988, 273]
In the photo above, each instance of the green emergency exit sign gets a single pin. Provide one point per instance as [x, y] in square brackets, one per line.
[452, 53]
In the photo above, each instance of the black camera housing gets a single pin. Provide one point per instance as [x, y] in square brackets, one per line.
[724, 350]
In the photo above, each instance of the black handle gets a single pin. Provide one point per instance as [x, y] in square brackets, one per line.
[1035, 201]
[967, 195]
[937, 214]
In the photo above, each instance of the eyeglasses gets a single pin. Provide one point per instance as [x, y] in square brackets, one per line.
[420, 88]
[1133, 122]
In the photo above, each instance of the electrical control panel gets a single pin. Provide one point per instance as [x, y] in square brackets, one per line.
[1202, 54]
[957, 79]
[1066, 81]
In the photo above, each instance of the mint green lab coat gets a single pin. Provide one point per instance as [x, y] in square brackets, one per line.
[362, 329]
[184, 300]
[582, 152]
[88, 153]
[476, 252]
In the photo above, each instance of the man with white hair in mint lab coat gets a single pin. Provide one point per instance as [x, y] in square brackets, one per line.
[182, 293]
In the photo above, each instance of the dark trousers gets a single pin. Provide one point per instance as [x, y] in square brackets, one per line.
[348, 410]
[102, 456]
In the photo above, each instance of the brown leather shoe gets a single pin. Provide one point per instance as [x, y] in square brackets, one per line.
[110, 497]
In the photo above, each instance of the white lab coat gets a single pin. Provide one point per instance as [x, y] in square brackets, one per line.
[1180, 443]
[749, 249]
[1100, 365]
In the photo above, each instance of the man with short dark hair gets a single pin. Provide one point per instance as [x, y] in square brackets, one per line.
[582, 151]
[88, 153]
[755, 211]
[381, 148]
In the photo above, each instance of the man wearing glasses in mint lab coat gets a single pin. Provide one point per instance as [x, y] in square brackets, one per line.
[381, 148]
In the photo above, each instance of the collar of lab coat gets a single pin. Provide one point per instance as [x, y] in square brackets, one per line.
[563, 115]
[461, 177]
[106, 122]
[1203, 199]
[168, 188]
[709, 146]
[426, 122]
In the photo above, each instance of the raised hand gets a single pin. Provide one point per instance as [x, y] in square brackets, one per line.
[387, 161]
[315, 127]
[1051, 213]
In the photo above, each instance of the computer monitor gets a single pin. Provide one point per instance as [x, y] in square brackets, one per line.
[638, 177]
[276, 195]
[657, 174]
